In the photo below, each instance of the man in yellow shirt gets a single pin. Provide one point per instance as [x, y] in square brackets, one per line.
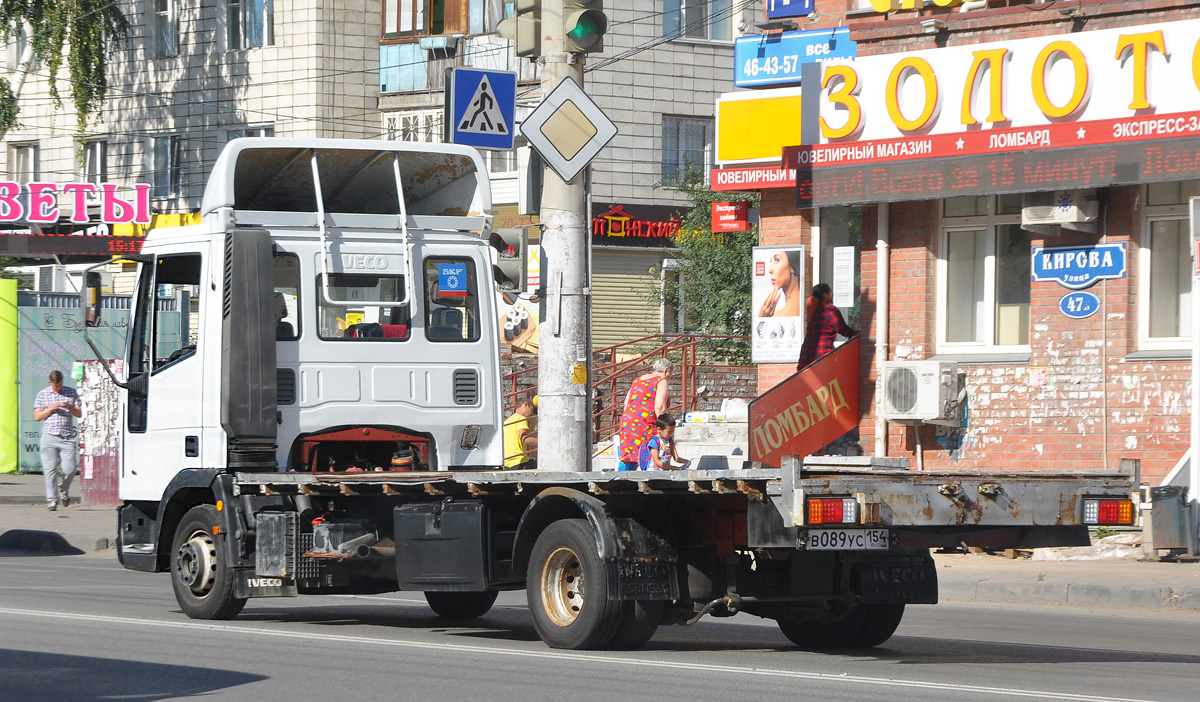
[520, 441]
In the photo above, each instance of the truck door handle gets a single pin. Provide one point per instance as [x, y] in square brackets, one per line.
[191, 446]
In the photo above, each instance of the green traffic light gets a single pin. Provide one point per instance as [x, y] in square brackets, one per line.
[588, 27]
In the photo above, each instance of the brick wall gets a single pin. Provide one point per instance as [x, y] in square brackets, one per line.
[1086, 397]
[714, 383]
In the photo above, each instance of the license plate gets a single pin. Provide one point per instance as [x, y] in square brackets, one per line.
[848, 540]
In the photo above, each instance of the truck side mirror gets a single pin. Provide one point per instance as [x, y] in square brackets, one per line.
[91, 299]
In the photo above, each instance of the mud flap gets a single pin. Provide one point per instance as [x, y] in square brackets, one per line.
[898, 580]
[646, 567]
[247, 583]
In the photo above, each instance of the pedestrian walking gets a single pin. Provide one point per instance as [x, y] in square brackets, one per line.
[824, 322]
[56, 406]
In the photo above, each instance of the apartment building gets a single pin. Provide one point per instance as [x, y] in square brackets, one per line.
[194, 75]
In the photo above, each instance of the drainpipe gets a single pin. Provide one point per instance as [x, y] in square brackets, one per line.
[883, 278]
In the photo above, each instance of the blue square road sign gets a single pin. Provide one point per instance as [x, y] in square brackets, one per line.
[483, 106]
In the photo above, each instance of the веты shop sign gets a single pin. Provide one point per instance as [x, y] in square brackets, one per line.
[38, 203]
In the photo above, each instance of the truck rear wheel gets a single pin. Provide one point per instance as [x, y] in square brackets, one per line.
[860, 626]
[461, 605]
[568, 591]
[202, 582]
[880, 621]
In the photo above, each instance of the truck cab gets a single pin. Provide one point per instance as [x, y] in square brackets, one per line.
[332, 311]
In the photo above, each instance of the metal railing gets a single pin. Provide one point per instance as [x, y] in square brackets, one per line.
[611, 375]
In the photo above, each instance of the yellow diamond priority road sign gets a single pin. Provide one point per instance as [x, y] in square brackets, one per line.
[568, 129]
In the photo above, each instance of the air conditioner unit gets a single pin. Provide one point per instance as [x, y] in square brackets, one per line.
[920, 391]
[51, 278]
[1069, 209]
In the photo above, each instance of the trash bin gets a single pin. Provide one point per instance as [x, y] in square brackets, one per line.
[1169, 516]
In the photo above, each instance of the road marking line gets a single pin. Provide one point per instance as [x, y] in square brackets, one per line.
[578, 657]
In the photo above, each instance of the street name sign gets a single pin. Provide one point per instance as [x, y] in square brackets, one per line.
[780, 9]
[482, 108]
[568, 129]
[1078, 267]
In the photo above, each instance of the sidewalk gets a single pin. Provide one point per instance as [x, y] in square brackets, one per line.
[26, 525]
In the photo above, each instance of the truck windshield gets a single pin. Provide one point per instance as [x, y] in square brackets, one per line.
[366, 322]
[451, 300]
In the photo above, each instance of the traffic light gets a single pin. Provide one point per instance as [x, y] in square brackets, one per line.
[524, 27]
[584, 25]
[512, 246]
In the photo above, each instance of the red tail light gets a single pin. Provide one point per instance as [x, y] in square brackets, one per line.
[832, 510]
[1115, 512]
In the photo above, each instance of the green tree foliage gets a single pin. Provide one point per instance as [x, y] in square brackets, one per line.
[6, 265]
[715, 269]
[83, 33]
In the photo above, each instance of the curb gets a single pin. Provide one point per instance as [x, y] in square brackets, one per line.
[1079, 594]
[22, 500]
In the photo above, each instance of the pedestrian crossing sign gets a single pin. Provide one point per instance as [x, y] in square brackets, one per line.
[482, 107]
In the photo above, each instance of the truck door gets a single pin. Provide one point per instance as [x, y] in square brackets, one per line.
[165, 357]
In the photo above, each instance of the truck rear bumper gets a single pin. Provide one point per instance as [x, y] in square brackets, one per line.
[937, 500]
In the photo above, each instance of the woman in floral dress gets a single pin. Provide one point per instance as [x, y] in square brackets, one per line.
[646, 399]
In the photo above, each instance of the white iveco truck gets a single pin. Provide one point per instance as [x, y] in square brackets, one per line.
[321, 412]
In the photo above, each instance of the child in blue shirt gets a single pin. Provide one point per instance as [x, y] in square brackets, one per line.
[660, 450]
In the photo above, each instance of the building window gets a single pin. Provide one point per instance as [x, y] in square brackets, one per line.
[23, 162]
[414, 125]
[502, 163]
[700, 19]
[95, 162]
[165, 27]
[16, 49]
[260, 130]
[687, 145]
[165, 167]
[984, 276]
[1164, 267]
[251, 23]
[432, 17]
[674, 319]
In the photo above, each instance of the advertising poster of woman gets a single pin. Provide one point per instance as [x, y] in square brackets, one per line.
[777, 293]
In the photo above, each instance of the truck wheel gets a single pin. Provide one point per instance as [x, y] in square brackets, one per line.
[568, 591]
[638, 624]
[810, 632]
[879, 623]
[202, 582]
[461, 605]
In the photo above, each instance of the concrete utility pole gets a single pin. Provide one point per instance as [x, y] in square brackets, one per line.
[564, 358]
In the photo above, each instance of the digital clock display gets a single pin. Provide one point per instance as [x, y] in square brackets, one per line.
[991, 174]
[32, 243]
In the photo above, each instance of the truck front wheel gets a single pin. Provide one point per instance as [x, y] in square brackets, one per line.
[461, 605]
[568, 591]
[202, 582]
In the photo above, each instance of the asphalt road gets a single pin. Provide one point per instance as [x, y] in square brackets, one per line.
[82, 628]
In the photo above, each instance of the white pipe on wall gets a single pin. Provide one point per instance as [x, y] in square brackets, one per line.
[883, 280]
